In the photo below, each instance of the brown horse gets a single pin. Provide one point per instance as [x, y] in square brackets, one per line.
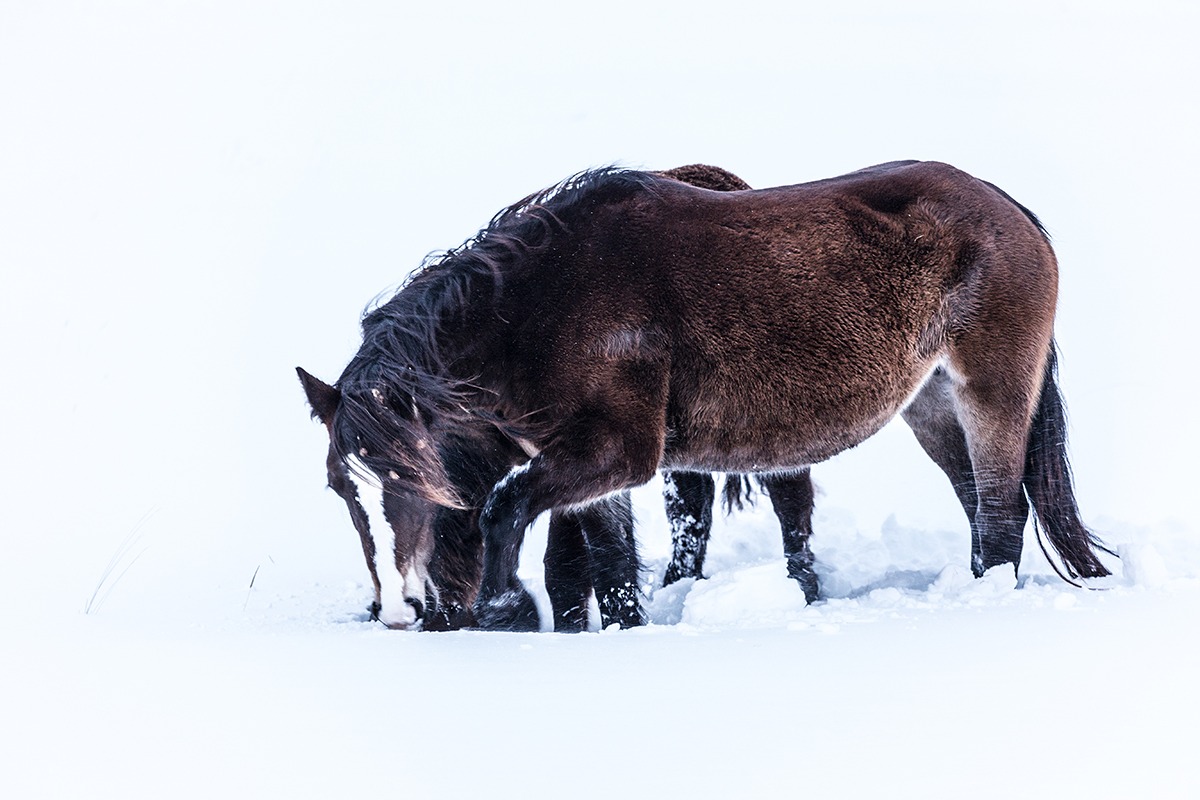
[588, 550]
[623, 322]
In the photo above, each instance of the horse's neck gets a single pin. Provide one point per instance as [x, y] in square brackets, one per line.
[473, 345]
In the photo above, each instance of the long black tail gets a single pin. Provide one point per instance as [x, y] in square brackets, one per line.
[1049, 485]
[737, 492]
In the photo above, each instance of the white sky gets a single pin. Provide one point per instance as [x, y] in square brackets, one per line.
[195, 198]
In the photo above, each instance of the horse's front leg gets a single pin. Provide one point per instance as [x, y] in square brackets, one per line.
[613, 557]
[568, 572]
[503, 602]
[593, 548]
[619, 454]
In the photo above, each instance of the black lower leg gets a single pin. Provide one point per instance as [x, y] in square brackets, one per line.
[613, 556]
[999, 533]
[503, 603]
[688, 497]
[568, 578]
[792, 498]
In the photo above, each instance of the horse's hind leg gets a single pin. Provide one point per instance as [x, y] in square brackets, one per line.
[933, 418]
[688, 497]
[568, 572]
[792, 498]
[612, 551]
[995, 394]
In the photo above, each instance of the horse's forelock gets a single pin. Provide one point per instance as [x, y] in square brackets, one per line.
[366, 431]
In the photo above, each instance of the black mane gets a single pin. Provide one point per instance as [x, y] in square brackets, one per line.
[400, 374]
[400, 338]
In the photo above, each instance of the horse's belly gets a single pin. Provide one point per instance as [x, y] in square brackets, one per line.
[761, 430]
[786, 444]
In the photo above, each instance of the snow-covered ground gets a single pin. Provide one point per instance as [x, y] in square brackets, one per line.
[194, 199]
[912, 680]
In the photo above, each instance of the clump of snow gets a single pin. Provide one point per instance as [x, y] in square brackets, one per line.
[993, 585]
[750, 597]
[1142, 565]
[665, 606]
[952, 580]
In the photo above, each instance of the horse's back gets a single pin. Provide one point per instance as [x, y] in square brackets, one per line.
[879, 251]
[820, 308]
[793, 322]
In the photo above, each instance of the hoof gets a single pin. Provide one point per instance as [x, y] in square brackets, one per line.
[452, 618]
[628, 618]
[512, 611]
[621, 607]
[677, 573]
[573, 620]
[808, 584]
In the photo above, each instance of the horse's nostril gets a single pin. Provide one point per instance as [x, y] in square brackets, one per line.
[417, 605]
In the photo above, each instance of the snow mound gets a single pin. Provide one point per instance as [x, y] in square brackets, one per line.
[1142, 565]
[751, 597]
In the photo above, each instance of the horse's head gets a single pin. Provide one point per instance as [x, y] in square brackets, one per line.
[384, 463]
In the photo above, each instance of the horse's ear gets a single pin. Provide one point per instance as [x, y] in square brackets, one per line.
[322, 397]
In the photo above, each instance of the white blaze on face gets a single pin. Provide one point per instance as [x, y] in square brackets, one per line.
[394, 586]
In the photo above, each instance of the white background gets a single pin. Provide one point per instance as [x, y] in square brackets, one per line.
[195, 198]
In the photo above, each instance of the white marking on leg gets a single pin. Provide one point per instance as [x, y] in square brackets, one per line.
[520, 469]
[394, 586]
